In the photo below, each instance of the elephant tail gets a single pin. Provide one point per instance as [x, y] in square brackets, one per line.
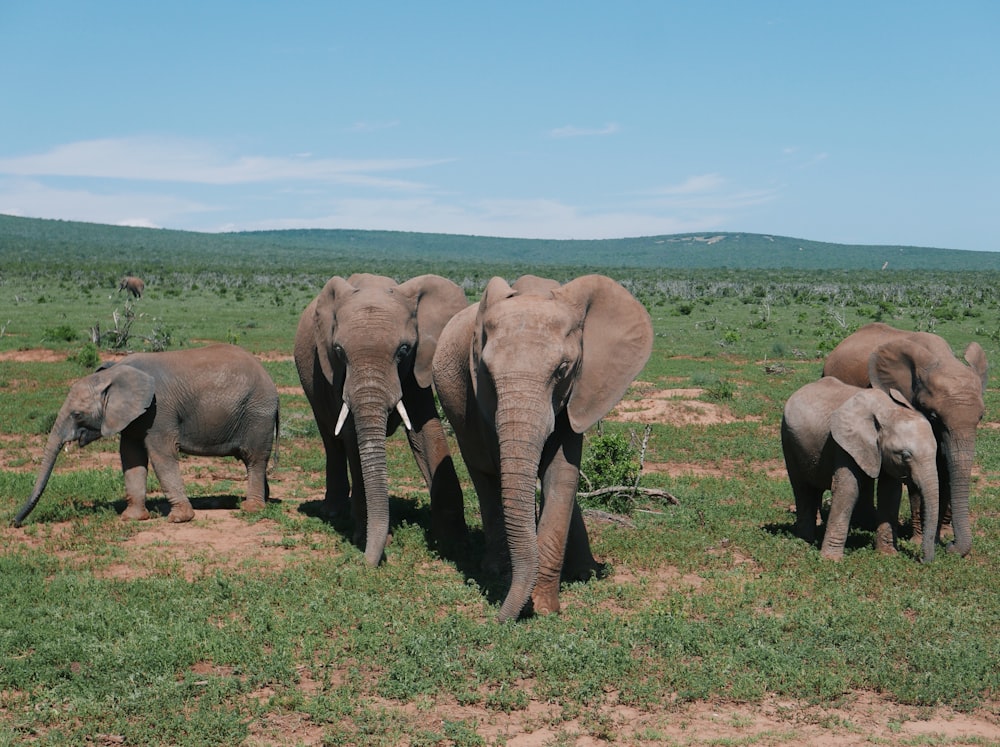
[277, 437]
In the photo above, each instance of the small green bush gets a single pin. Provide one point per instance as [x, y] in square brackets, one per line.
[88, 356]
[611, 461]
[62, 333]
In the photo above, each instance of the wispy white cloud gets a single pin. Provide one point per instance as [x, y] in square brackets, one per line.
[572, 131]
[708, 192]
[694, 185]
[156, 159]
[374, 126]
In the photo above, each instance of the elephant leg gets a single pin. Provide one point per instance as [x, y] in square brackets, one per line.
[430, 450]
[560, 480]
[890, 491]
[135, 467]
[338, 489]
[168, 472]
[807, 502]
[847, 484]
[496, 553]
[359, 500]
[257, 488]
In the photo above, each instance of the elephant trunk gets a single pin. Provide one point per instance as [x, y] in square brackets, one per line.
[521, 441]
[926, 489]
[52, 448]
[955, 478]
[370, 419]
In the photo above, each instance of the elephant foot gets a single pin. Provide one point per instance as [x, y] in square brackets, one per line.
[253, 505]
[885, 541]
[835, 555]
[545, 601]
[135, 512]
[180, 513]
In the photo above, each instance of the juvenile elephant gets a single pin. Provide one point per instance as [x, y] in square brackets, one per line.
[841, 438]
[211, 401]
[363, 351]
[948, 392]
[133, 285]
[521, 375]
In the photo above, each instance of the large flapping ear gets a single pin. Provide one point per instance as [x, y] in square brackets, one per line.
[900, 364]
[325, 321]
[976, 358]
[437, 300]
[127, 393]
[617, 341]
[854, 426]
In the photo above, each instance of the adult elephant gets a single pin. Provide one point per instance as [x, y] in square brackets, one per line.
[521, 376]
[839, 437]
[133, 285]
[363, 351]
[212, 401]
[948, 392]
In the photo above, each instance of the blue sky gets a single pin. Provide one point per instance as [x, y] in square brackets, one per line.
[858, 122]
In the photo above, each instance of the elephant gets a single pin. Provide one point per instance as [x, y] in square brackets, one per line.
[212, 401]
[521, 376]
[133, 285]
[840, 437]
[363, 352]
[949, 393]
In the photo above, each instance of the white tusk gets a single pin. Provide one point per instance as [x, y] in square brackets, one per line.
[340, 421]
[402, 413]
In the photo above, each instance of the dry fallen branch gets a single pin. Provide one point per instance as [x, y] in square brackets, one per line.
[649, 492]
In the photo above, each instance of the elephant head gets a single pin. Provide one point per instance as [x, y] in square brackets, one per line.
[102, 404]
[887, 437]
[547, 362]
[374, 342]
[950, 395]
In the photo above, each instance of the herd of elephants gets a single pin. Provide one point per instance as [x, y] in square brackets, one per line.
[521, 375]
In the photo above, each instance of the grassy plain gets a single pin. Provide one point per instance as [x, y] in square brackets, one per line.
[713, 624]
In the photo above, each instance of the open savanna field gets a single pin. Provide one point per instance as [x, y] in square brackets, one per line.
[710, 624]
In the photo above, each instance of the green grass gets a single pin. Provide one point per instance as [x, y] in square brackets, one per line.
[719, 602]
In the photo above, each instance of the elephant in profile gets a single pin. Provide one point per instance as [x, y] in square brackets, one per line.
[840, 437]
[133, 285]
[212, 401]
[363, 352]
[521, 376]
[949, 393]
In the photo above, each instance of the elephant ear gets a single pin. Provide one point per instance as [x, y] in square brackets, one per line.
[854, 426]
[976, 358]
[617, 341]
[325, 321]
[127, 393]
[532, 285]
[437, 300]
[900, 364]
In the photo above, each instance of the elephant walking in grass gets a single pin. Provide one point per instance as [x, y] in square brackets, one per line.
[521, 376]
[841, 438]
[212, 401]
[363, 351]
[133, 285]
[948, 392]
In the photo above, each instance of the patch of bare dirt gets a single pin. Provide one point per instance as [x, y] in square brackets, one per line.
[673, 406]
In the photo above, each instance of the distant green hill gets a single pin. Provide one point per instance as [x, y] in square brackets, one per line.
[35, 243]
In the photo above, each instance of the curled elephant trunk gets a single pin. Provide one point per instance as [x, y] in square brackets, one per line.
[52, 448]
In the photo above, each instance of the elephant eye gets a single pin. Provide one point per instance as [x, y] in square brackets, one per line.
[338, 350]
[403, 351]
[562, 370]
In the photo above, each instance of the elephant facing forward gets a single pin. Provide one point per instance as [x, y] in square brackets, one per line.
[948, 392]
[363, 352]
[521, 376]
[211, 401]
[841, 438]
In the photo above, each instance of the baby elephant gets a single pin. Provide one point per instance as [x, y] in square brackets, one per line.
[211, 401]
[841, 437]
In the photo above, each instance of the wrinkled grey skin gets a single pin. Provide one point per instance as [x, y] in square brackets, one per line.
[133, 285]
[363, 350]
[841, 438]
[946, 390]
[521, 376]
[211, 401]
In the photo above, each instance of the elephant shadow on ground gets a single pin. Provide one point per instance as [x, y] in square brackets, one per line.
[858, 537]
[161, 506]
